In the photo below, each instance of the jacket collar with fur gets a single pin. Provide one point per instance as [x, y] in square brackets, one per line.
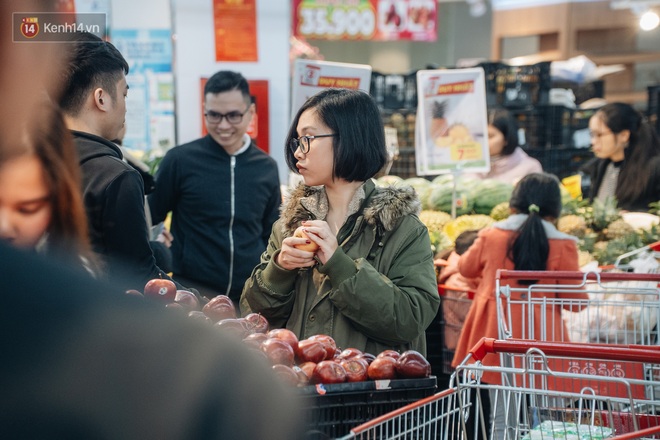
[384, 207]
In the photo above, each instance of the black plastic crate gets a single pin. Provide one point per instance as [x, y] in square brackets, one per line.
[546, 126]
[653, 107]
[521, 86]
[583, 91]
[562, 162]
[347, 405]
[403, 164]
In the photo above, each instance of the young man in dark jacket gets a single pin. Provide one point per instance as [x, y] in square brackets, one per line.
[224, 194]
[94, 103]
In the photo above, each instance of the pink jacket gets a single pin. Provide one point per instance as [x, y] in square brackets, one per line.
[488, 254]
[512, 168]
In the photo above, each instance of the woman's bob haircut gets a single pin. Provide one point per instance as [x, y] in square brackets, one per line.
[359, 143]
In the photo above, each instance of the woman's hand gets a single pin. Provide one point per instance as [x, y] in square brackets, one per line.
[319, 232]
[291, 258]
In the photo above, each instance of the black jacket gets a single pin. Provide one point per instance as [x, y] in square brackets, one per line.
[113, 193]
[595, 168]
[223, 208]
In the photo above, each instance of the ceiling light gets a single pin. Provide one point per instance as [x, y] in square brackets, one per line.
[649, 21]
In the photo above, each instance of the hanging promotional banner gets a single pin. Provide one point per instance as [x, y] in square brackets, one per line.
[376, 20]
[452, 126]
[311, 76]
[235, 27]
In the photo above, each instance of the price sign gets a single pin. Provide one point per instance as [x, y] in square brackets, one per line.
[470, 151]
[381, 20]
[356, 20]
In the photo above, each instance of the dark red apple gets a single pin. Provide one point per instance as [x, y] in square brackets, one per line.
[356, 369]
[187, 299]
[286, 374]
[349, 353]
[391, 353]
[309, 350]
[220, 307]
[234, 326]
[382, 368]
[329, 344]
[367, 357]
[303, 379]
[285, 335]
[308, 369]
[328, 372]
[258, 322]
[412, 364]
[200, 316]
[278, 351]
[174, 306]
[255, 339]
[160, 289]
[133, 292]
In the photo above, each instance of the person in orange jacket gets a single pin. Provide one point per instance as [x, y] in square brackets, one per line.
[527, 240]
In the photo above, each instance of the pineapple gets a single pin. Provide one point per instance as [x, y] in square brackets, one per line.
[435, 222]
[438, 122]
[501, 211]
[603, 213]
[617, 229]
[572, 224]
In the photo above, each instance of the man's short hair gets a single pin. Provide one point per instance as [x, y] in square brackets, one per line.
[93, 63]
[226, 81]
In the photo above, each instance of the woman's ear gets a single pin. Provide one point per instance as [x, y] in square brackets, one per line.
[624, 136]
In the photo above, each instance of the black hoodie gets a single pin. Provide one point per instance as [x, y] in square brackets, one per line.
[113, 193]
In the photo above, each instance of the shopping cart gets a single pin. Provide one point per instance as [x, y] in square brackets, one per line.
[622, 308]
[526, 406]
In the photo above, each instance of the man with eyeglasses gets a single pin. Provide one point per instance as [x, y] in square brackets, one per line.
[223, 192]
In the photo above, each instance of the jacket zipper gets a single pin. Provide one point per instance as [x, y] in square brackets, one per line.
[231, 224]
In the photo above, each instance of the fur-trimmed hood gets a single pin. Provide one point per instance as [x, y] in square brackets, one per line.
[384, 206]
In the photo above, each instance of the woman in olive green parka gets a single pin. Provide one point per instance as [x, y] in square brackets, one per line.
[371, 284]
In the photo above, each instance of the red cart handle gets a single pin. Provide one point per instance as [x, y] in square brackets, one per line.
[630, 353]
[504, 274]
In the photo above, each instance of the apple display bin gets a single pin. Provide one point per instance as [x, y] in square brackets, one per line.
[331, 410]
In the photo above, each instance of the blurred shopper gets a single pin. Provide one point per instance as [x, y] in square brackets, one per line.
[371, 284]
[80, 361]
[94, 104]
[627, 162]
[508, 161]
[223, 192]
[41, 204]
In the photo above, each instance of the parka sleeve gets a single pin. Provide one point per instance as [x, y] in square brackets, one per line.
[270, 290]
[394, 307]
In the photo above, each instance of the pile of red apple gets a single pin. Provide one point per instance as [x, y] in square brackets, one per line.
[314, 360]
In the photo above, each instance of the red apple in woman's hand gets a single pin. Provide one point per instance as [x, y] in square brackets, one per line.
[412, 364]
[328, 372]
[382, 368]
[309, 247]
[220, 307]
